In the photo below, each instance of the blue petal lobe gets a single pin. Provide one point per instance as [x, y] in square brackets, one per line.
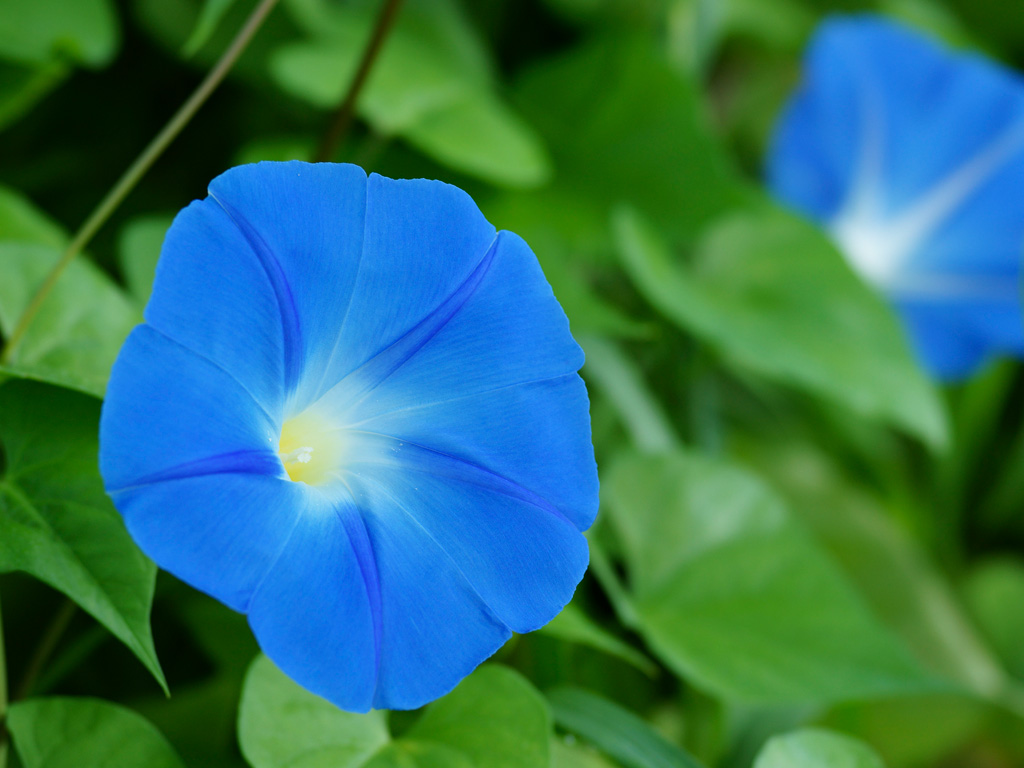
[494, 383]
[304, 226]
[219, 532]
[317, 614]
[919, 151]
[955, 338]
[520, 554]
[436, 628]
[169, 412]
[212, 296]
[422, 240]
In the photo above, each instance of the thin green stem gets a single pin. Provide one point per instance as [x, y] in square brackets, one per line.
[45, 648]
[3, 698]
[138, 169]
[346, 110]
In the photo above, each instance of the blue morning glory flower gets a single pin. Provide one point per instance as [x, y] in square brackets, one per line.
[912, 156]
[354, 414]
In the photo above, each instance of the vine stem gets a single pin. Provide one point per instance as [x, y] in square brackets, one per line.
[346, 110]
[3, 698]
[45, 648]
[138, 169]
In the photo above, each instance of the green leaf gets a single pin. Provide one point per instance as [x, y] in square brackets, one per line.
[621, 381]
[815, 748]
[615, 731]
[622, 125]
[773, 296]
[75, 337]
[21, 87]
[493, 719]
[572, 755]
[211, 14]
[282, 724]
[430, 85]
[574, 626]
[994, 592]
[412, 754]
[138, 252]
[56, 522]
[732, 593]
[480, 136]
[20, 220]
[903, 588]
[86, 31]
[64, 732]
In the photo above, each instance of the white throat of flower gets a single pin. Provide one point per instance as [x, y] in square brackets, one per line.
[879, 244]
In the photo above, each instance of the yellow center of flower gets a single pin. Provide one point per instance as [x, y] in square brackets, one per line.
[311, 450]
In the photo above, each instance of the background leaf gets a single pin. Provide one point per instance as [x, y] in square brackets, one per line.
[138, 252]
[615, 731]
[56, 522]
[574, 626]
[78, 331]
[817, 748]
[281, 724]
[744, 603]
[86, 31]
[432, 85]
[493, 719]
[772, 295]
[64, 732]
[623, 125]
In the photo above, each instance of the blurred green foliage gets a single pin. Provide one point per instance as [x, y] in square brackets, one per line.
[808, 554]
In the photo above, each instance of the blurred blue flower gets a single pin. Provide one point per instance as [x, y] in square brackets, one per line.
[912, 156]
[353, 414]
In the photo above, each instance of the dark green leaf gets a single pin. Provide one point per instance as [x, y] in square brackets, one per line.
[213, 11]
[22, 86]
[774, 297]
[138, 252]
[493, 719]
[621, 381]
[615, 731]
[734, 595]
[21, 221]
[63, 732]
[430, 85]
[995, 594]
[34, 32]
[56, 522]
[574, 626]
[623, 125]
[281, 724]
[75, 337]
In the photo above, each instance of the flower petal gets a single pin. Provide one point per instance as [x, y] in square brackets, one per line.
[953, 340]
[304, 223]
[220, 532]
[492, 380]
[887, 114]
[170, 412]
[317, 612]
[377, 614]
[436, 628]
[210, 292]
[423, 239]
[520, 554]
[912, 155]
